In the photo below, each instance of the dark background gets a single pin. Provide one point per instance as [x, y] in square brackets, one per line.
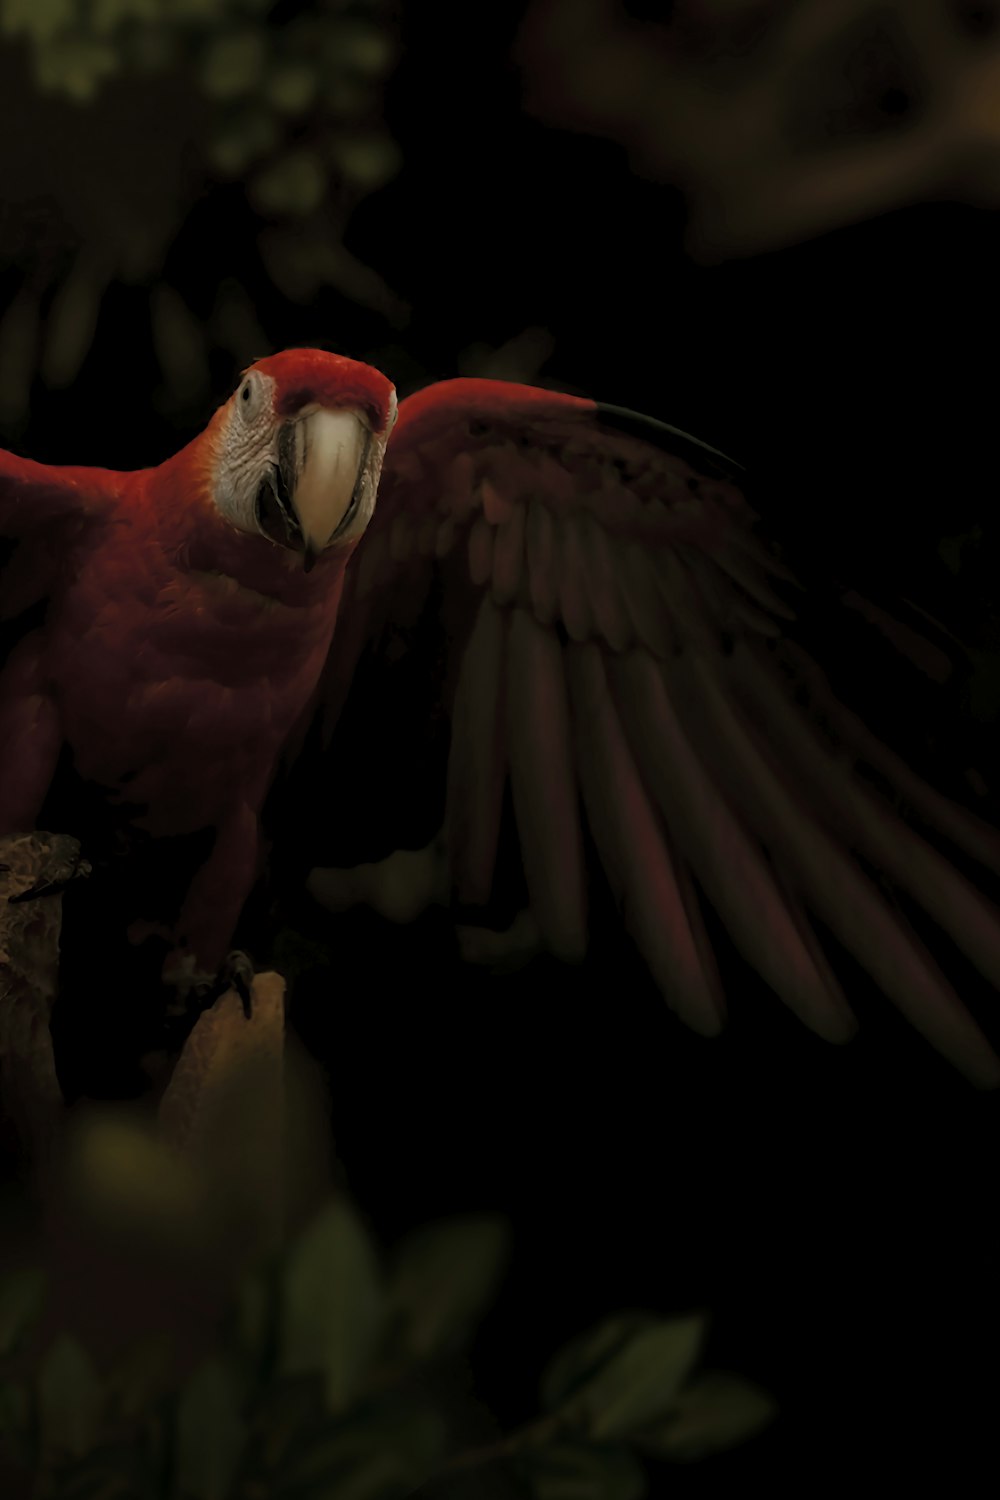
[834, 1209]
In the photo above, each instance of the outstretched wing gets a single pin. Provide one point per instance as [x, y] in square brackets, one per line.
[41, 509]
[622, 667]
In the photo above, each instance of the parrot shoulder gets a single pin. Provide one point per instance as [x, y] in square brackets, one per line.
[34, 495]
[44, 511]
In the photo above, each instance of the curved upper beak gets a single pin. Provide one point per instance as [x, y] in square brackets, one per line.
[322, 458]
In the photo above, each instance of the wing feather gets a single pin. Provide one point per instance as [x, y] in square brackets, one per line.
[43, 509]
[575, 603]
[966, 831]
[477, 761]
[652, 621]
[623, 650]
[661, 916]
[857, 816]
[543, 564]
[481, 539]
[508, 556]
[34, 495]
[845, 899]
[720, 850]
[543, 782]
[603, 586]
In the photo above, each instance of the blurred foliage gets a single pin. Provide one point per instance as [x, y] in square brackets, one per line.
[186, 1336]
[780, 119]
[313, 1389]
[129, 112]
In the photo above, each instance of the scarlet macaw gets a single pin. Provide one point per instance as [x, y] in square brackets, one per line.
[619, 653]
[182, 634]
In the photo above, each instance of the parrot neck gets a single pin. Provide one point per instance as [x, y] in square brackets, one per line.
[260, 568]
[196, 540]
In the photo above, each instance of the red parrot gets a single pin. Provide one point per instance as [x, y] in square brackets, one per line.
[619, 668]
[185, 625]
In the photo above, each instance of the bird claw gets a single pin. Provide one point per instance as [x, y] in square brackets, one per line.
[197, 991]
[60, 870]
[237, 974]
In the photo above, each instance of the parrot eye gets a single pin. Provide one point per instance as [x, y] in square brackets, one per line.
[249, 397]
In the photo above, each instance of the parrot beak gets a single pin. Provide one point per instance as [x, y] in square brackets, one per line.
[315, 491]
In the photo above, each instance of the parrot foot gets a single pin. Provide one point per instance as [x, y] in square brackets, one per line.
[196, 990]
[63, 866]
[237, 973]
[503, 952]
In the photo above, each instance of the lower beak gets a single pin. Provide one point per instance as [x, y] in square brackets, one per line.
[321, 459]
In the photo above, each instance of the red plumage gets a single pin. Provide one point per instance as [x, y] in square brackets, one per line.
[616, 658]
[177, 650]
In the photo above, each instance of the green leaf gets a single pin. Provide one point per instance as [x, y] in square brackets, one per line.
[285, 1418]
[21, 1296]
[179, 340]
[443, 1279]
[71, 324]
[253, 1316]
[129, 1183]
[240, 142]
[39, 19]
[364, 48]
[291, 88]
[75, 66]
[347, 97]
[70, 1399]
[332, 1305]
[717, 1412]
[371, 1476]
[294, 185]
[233, 64]
[408, 1439]
[574, 1365]
[641, 1381]
[19, 330]
[570, 1472]
[381, 1476]
[366, 160]
[108, 15]
[154, 51]
[210, 1432]
[114, 1472]
[141, 1376]
[15, 1410]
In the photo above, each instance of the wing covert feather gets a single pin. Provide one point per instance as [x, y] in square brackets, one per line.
[543, 782]
[34, 495]
[477, 759]
[635, 853]
[43, 510]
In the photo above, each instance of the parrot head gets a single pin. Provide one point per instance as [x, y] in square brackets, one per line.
[298, 450]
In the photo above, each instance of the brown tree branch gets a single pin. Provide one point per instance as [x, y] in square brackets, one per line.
[779, 119]
[30, 1096]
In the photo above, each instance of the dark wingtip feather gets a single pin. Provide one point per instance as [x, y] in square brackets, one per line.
[651, 430]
